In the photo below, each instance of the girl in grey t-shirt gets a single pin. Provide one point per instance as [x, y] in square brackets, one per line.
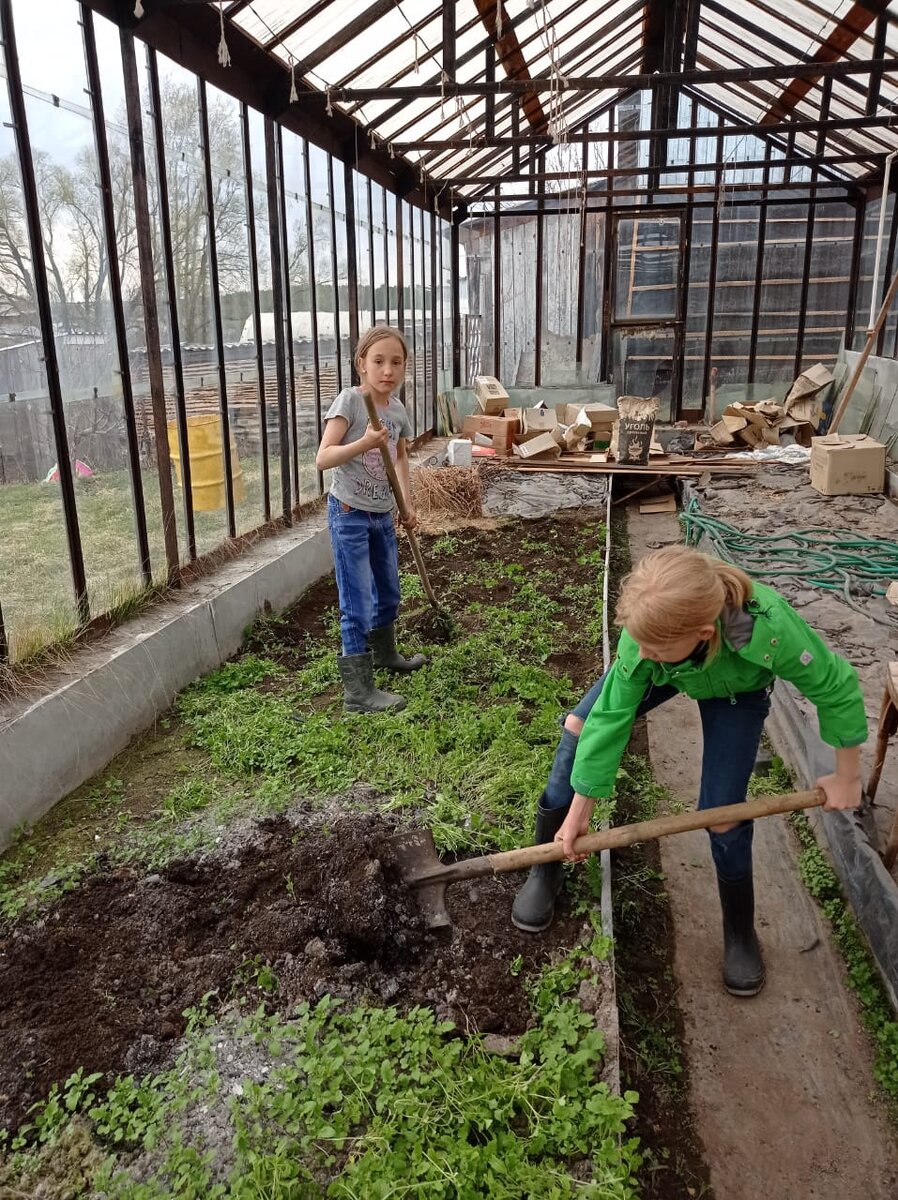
[360, 518]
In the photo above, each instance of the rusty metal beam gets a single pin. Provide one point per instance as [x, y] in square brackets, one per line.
[849, 28]
[512, 59]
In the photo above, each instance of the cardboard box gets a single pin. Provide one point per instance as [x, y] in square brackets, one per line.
[500, 430]
[601, 416]
[851, 464]
[490, 395]
[541, 446]
[538, 420]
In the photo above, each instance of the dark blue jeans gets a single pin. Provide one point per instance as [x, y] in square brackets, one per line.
[731, 729]
[366, 564]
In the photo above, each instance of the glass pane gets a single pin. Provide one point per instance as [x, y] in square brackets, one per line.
[784, 249]
[76, 252]
[643, 364]
[308, 400]
[476, 238]
[35, 577]
[560, 273]
[647, 267]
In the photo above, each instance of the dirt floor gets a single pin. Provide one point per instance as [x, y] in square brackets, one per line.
[781, 1084]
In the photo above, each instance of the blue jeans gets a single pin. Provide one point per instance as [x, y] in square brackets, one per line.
[366, 564]
[731, 730]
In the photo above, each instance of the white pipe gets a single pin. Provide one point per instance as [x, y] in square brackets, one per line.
[883, 204]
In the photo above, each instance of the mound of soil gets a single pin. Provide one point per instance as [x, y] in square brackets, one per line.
[102, 979]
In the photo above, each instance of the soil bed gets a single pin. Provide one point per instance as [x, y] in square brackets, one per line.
[102, 980]
[242, 864]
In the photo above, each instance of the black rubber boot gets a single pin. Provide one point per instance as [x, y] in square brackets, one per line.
[534, 905]
[386, 657]
[359, 693]
[743, 967]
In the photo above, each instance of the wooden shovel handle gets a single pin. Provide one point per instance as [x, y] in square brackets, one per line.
[643, 831]
[400, 500]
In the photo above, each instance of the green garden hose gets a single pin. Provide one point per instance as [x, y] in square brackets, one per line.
[834, 560]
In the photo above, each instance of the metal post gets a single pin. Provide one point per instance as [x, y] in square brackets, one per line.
[4, 641]
[854, 273]
[414, 316]
[371, 252]
[95, 92]
[425, 344]
[581, 267]
[45, 311]
[171, 291]
[400, 270]
[216, 311]
[288, 308]
[338, 341]
[759, 269]
[607, 272]
[352, 275]
[454, 277]
[257, 305]
[150, 310]
[434, 377]
[384, 194]
[497, 291]
[712, 275]
[677, 398]
[277, 305]
[313, 297]
[809, 233]
[538, 300]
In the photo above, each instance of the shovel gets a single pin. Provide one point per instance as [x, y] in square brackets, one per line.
[421, 870]
[443, 621]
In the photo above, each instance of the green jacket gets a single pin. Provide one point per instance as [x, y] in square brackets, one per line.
[780, 646]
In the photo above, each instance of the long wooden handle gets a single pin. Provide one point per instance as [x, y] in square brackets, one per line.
[643, 831]
[400, 500]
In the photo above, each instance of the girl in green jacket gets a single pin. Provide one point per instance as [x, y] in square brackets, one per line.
[697, 625]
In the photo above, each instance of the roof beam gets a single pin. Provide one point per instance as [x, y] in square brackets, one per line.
[512, 58]
[849, 28]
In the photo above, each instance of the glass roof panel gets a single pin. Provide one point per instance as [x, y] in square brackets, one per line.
[576, 39]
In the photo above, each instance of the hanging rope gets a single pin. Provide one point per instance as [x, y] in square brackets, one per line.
[294, 95]
[224, 55]
[329, 108]
[138, 10]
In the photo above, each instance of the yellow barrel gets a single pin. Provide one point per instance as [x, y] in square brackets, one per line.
[207, 485]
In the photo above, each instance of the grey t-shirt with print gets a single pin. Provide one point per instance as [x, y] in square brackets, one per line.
[362, 481]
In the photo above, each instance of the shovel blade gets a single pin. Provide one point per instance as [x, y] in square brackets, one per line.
[415, 855]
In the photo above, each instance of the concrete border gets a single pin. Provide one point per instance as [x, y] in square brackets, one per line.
[51, 743]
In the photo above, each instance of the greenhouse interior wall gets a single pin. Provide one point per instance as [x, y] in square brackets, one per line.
[700, 267]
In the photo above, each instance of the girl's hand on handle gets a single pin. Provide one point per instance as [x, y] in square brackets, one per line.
[841, 792]
[375, 439]
[576, 823]
[410, 520]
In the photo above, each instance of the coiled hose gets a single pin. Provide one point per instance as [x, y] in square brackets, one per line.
[834, 560]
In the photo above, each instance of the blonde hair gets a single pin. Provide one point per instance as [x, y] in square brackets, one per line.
[676, 591]
[377, 333]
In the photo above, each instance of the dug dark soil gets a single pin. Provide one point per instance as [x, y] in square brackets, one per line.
[103, 979]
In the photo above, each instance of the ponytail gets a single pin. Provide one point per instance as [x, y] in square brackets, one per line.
[676, 591]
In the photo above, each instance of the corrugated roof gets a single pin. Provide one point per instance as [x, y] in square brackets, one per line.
[388, 44]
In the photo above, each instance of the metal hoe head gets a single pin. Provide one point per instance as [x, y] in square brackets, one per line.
[420, 869]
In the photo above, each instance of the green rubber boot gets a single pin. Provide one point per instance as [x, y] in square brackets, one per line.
[359, 693]
[386, 657]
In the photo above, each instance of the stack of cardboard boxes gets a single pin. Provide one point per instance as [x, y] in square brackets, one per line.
[539, 433]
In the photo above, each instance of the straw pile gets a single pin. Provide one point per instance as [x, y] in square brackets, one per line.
[438, 492]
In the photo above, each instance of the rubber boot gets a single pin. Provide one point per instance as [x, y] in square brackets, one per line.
[534, 905]
[359, 693]
[386, 657]
[743, 967]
